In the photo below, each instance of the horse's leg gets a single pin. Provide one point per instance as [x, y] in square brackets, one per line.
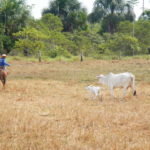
[3, 76]
[3, 79]
[4, 82]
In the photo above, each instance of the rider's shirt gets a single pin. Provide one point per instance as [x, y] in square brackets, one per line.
[3, 63]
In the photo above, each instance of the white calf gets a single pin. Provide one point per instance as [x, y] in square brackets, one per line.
[124, 80]
[95, 90]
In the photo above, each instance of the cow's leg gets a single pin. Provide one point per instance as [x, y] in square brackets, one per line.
[133, 89]
[124, 91]
[94, 95]
[99, 95]
[133, 86]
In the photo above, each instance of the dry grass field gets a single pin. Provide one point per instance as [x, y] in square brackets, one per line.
[45, 107]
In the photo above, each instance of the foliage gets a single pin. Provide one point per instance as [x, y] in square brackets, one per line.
[124, 44]
[72, 15]
[110, 13]
[44, 35]
[63, 30]
[110, 23]
[141, 32]
[13, 17]
[52, 22]
[120, 44]
[59, 51]
[30, 41]
[125, 27]
[86, 42]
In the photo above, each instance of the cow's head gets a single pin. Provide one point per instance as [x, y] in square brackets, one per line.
[101, 78]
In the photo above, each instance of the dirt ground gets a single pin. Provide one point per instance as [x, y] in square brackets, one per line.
[45, 107]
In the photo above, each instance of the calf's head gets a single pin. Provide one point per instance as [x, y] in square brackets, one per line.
[88, 87]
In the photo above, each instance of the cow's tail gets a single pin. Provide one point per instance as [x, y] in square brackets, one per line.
[133, 85]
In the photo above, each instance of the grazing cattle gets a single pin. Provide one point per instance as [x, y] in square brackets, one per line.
[123, 80]
[95, 90]
[3, 75]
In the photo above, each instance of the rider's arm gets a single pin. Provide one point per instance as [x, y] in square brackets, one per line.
[5, 63]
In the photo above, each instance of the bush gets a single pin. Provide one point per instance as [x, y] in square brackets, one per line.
[59, 51]
[120, 44]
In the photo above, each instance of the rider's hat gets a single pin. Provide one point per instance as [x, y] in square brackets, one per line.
[4, 55]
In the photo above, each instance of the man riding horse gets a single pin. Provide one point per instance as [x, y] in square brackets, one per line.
[3, 72]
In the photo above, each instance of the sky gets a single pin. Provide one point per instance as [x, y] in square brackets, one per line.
[38, 5]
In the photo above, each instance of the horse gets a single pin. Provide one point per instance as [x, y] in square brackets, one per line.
[3, 76]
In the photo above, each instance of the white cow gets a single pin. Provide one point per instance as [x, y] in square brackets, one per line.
[124, 80]
[95, 90]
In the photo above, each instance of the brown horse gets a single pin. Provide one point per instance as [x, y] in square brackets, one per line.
[3, 76]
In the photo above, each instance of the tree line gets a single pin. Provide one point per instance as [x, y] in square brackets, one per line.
[66, 29]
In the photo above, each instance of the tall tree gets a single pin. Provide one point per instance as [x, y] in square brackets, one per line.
[111, 12]
[72, 15]
[13, 17]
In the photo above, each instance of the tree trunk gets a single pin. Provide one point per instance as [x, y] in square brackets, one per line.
[39, 56]
[81, 56]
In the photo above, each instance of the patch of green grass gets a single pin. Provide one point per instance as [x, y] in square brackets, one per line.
[22, 58]
[77, 58]
[147, 57]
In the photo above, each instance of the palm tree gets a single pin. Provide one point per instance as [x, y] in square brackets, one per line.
[73, 16]
[111, 12]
